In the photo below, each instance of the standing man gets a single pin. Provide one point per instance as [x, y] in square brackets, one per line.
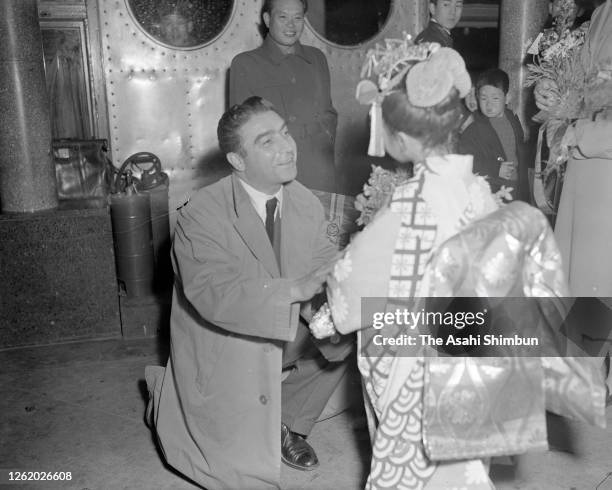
[249, 252]
[445, 14]
[295, 78]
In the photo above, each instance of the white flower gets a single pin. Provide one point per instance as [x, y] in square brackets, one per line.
[504, 193]
[322, 325]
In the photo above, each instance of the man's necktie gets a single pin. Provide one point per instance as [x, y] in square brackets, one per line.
[270, 211]
[273, 228]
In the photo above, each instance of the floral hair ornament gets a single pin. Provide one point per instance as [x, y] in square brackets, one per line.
[430, 82]
[388, 63]
[438, 70]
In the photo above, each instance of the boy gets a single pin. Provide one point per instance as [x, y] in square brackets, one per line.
[445, 14]
[495, 136]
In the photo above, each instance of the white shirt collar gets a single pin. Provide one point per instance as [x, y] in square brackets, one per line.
[259, 199]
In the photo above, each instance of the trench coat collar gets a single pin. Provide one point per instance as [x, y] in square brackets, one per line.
[293, 214]
[276, 56]
[248, 224]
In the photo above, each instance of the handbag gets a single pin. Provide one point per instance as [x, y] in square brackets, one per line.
[82, 168]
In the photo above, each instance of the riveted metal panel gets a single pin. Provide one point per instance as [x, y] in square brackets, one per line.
[168, 101]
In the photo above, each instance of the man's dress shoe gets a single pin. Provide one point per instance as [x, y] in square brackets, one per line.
[296, 452]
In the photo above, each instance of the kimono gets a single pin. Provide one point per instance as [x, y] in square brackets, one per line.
[433, 420]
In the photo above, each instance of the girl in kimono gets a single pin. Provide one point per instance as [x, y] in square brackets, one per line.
[416, 107]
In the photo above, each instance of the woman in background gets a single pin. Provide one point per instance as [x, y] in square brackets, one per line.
[583, 228]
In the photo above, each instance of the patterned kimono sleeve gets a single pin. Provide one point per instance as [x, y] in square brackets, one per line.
[363, 272]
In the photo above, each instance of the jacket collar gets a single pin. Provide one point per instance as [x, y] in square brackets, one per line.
[248, 224]
[439, 26]
[276, 56]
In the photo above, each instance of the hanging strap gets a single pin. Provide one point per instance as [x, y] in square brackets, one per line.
[539, 195]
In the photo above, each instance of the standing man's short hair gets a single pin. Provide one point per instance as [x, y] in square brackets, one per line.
[228, 129]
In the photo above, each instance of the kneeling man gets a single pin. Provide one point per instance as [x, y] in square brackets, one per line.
[249, 253]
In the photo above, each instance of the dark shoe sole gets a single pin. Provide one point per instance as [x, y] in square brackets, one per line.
[297, 467]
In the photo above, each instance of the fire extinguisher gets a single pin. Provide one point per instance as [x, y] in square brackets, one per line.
[141, 227]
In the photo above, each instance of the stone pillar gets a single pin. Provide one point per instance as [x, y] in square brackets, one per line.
[27, 176]
[421, 15]
[520, 21]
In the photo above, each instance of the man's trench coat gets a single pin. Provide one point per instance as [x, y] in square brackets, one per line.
[217, 407]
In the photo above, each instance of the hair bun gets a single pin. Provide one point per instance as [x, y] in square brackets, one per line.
[429, 82]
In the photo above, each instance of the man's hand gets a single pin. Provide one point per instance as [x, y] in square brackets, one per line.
[307, 286]
[546, 94]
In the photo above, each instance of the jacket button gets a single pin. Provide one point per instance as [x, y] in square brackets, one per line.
[263, 399]
[291, 118]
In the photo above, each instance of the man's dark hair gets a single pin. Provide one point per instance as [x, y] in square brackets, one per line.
[268, 4]
[495, 77]
[236, 117]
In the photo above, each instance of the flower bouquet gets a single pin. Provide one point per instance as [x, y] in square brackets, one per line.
[556, 54]
[377, 192]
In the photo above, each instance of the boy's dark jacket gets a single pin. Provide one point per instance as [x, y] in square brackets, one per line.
[435, 33]
[481, 140]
